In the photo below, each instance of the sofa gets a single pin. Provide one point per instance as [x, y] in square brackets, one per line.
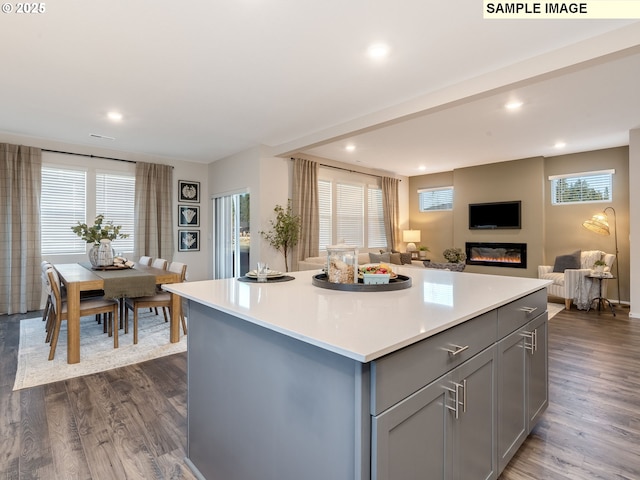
[570, 277]
[317, 263]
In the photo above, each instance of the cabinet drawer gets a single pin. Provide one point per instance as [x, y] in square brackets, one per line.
[399, 374]
[515, 314]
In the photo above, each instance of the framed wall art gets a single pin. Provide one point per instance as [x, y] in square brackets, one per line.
[188, 240]
[188, 216]
[188, 191]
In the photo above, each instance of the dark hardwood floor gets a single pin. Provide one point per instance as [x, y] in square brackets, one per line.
[131, 422]
[126, 423]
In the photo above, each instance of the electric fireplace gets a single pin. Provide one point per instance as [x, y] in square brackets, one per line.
[510, 255]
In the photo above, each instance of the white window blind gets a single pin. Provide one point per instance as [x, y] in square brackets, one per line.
[589, 187]
[62, 205]
[377, 236]
[350, 214]
[432, 199]
[115, 198]
[325, 213]
[351, 211]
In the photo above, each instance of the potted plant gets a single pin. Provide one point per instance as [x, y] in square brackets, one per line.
[285, 231]
[422, 252]
[599, 265]
[454, 255]
[100, 233]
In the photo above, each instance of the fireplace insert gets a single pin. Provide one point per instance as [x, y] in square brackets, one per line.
[511, 255]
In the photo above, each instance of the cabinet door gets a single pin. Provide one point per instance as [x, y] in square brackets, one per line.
[523, 385]
[411, 440]
[512, 395]
[475, 428]
[538, 372]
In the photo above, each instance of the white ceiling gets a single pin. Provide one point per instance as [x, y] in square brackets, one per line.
[202, 80]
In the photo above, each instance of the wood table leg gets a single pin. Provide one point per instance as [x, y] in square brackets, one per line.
[176, 311]
[73, 323]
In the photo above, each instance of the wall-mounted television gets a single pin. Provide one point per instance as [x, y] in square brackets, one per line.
[486, 216]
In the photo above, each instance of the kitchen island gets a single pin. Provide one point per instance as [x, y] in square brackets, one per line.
[290, 381]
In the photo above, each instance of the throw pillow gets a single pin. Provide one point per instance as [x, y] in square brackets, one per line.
[563, 262]
[405, 258]
[380, 257]
[395, 258]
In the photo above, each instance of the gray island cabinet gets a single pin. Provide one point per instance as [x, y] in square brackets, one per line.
[289, 381]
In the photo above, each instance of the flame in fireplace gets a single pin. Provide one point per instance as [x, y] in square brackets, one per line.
[480, 258]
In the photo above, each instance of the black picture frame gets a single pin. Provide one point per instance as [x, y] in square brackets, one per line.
[188, 240]
[188, 216]
[188, 191]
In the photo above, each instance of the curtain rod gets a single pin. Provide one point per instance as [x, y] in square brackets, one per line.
[351, 171]
[90, 156]
[86, 155]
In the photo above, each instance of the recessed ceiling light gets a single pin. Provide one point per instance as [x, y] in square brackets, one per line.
[514, 105]
[560, 144]
[378, 51]
[115, 116]
[350, 148]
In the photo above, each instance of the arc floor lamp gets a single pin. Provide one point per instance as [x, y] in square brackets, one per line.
[599, 224]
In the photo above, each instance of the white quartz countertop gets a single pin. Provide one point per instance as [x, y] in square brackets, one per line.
[361, 325]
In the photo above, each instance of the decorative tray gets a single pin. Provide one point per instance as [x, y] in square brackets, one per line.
[111, 267]
[399, 283]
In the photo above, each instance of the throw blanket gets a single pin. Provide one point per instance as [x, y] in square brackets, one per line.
[586, 291]
[125, 283]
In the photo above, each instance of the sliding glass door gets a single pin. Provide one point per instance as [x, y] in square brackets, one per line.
[231, 235]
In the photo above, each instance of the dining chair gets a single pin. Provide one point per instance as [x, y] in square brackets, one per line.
[144, 260]
[44, 266]
[159, 300]
[160, 263]
[46, 313]
[88, 306]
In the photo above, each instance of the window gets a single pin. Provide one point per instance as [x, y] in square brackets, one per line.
[377, 235]
[326, 213]
[582, 187]
[62, 205]
[350, 210]
[72, 193]
[432, 199]
[115, 197]
[349, 216]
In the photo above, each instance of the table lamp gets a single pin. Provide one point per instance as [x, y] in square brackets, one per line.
[411, 236]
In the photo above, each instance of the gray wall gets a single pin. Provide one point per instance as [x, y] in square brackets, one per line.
[547, 230]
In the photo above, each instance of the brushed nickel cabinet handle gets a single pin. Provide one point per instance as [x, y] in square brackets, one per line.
[456, 399]
[528, 310]
[464, 395]
[458, 349]
[531, 347]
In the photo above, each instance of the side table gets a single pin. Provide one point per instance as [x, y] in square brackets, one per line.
[602, 302]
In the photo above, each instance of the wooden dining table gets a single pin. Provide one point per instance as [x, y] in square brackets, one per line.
[77, 278]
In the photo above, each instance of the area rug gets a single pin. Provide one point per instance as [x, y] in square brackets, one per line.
[554, 309]
[96, 349]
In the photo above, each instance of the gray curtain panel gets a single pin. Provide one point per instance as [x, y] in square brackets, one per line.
[154, 211]
[305, 204]
[391, 210]
[20, 186]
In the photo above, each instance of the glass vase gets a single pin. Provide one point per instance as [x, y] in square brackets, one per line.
[105, 253]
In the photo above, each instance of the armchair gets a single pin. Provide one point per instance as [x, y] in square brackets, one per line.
[567, 284]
